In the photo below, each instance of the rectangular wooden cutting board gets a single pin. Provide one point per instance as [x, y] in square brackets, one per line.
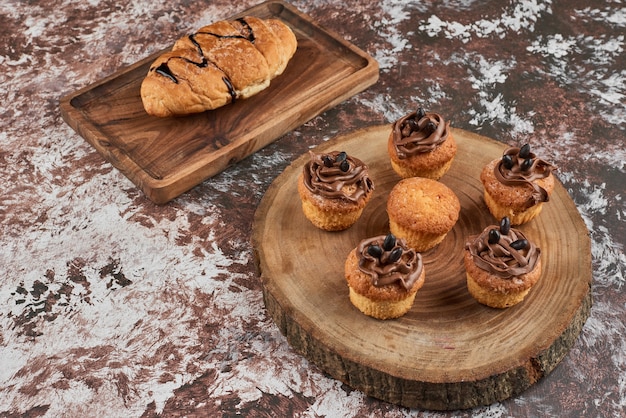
[168, 156]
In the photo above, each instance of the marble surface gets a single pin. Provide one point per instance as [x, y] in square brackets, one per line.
[113, 306]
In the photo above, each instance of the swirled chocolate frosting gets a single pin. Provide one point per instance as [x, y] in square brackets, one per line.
[419, 132]
[336, 175]
[519, 166]
[388, 260]
[504, 252]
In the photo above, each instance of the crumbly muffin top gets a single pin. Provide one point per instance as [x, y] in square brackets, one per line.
[423, 204]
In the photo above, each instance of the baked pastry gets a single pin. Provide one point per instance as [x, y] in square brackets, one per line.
[422, 211]
[501, 265]
[421, 145]
[383, 276]
[517, 185]
[334, 188]
[220, 63]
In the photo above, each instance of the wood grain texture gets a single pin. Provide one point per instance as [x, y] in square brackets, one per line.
[167, 156]
[448, 351]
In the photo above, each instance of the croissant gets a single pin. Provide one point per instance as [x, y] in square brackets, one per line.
[220, 63]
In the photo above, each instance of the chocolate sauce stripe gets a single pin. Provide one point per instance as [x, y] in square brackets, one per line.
[165, 71]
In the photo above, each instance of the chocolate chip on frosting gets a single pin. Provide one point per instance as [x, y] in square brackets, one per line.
[388, 260]
[336, 175]
[506, 252]
[519, 166]
[419, 132]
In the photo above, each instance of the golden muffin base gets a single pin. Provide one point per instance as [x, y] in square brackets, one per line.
[422, 211]
[494, 291]
[380, 302]
[510, 201]
[419, 241]
[518, 217]
[382, 309]
[329, 214]
[432, 165]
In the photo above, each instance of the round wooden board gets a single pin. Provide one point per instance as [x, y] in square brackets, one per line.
[448, 351]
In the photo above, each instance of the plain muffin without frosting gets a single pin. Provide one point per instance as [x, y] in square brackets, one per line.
[422, 211]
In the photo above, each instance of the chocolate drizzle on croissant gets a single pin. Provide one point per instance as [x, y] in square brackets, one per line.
[219, 52]
[165, 71]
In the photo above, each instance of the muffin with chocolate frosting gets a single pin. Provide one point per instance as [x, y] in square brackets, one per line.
[334, 188]
[517, 185]
[501, 265]
[383, 276]
[422, 212]
[421, 145]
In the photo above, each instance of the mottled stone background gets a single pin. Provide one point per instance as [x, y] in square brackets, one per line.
[113, 306]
